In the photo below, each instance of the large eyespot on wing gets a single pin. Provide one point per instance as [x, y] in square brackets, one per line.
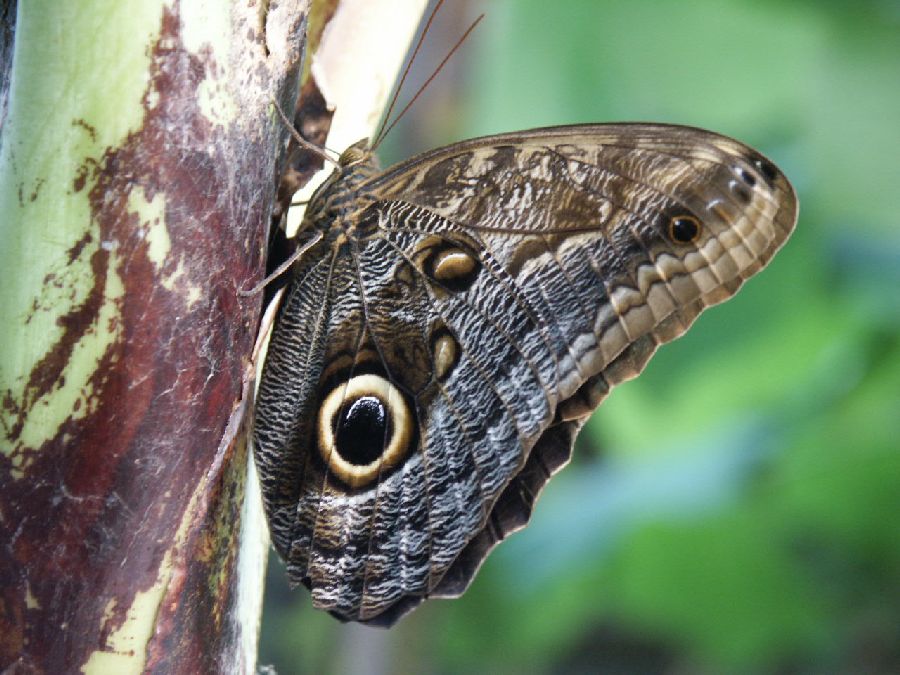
[365, 427]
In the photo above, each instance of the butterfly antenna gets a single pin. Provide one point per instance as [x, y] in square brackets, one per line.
[384, 132]
[312, 147]
[406, 70]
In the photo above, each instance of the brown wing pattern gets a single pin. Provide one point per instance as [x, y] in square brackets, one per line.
[465, 311]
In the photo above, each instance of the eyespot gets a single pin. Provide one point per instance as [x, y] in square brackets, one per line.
[452, 266]
[745, 176]
[766, 168]
[684, 229]
[364, 428]
[444, 352]
[740, 191]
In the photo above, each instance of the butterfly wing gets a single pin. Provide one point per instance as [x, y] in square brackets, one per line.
[560, 208]
[442, 358]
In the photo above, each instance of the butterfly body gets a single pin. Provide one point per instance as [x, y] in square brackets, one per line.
[439, 348]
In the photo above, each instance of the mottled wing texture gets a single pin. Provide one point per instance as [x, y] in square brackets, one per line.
[440, 348]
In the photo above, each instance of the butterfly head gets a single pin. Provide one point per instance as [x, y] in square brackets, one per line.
[335, 201]
[358, 153]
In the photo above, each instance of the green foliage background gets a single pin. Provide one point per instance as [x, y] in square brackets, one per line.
[735, 509]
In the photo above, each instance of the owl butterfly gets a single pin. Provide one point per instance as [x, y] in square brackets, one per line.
[463, 312]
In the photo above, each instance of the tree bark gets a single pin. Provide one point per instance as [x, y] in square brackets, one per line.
[139, 157]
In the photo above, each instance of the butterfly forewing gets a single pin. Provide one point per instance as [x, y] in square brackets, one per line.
[439, 349]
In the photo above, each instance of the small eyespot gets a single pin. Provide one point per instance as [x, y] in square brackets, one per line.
[452, 266]
[766, 168]
[746, 176]
[684, 229]
[365, 426]
[444, 352]
[740, 191]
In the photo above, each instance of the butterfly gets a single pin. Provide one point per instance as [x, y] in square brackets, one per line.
[458, 316]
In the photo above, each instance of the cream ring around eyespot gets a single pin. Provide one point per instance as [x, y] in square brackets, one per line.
[343, 395]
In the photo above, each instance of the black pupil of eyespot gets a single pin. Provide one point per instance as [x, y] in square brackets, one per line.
[362, 430]
[684, 229]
